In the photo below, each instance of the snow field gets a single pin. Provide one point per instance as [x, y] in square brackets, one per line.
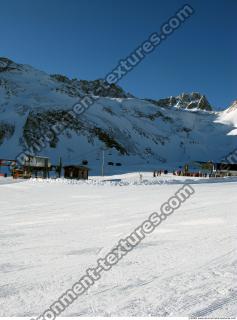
[52, 232]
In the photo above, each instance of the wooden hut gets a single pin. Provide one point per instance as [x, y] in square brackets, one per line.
[76, 172]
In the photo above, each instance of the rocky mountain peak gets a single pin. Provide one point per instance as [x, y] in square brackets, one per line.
[192, 100]
[7, 65]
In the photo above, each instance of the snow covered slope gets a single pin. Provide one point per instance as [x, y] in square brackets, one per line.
[229, 117]
[50, 233]
[134, 131]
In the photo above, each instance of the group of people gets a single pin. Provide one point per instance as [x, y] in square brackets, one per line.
[157, 173]
[190, 174]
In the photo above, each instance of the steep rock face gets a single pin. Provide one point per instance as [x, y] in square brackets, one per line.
[134, 131]
[192, 100]
[98, 87]
[39, 123]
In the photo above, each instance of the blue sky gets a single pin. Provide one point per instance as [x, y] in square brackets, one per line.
[85, 39]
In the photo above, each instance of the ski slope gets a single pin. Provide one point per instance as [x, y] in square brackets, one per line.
[52, 231]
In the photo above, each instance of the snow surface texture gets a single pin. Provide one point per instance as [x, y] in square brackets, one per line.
[146, 132]
[51, 231]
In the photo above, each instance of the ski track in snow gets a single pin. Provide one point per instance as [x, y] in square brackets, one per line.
[52, 231]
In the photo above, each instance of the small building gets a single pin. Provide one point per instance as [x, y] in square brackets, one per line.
[37, 165]
[215, 169]
[37, 162]
[224, 169]
[76, 172]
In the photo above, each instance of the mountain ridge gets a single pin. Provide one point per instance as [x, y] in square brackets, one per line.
[142, 131]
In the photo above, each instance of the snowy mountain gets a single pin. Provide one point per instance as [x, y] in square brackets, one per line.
[135, 132]
[229, 117]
